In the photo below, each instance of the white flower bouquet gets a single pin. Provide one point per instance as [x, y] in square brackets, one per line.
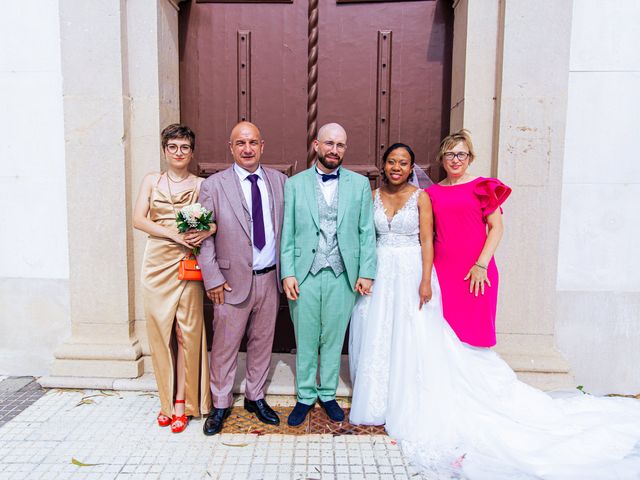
[194, 217]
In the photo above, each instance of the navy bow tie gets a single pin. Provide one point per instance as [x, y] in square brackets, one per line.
[330, 176]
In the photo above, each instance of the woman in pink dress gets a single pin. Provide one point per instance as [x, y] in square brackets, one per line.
[468, 228]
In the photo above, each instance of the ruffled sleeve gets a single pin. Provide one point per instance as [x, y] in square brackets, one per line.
[492, 193]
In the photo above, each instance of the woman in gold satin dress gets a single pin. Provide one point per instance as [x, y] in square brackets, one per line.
[173, 308]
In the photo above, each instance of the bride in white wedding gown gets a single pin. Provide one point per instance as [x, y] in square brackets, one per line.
[459, 411]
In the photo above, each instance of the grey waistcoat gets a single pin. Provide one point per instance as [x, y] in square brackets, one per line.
[328, 253]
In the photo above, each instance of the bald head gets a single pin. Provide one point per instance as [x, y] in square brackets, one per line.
[330, 145]
[331, 130]
[244, 127]
[246, 145]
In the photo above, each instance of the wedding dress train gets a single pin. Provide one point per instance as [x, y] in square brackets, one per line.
[459, 411]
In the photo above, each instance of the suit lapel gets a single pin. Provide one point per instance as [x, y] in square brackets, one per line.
[272, 202]
[233, 192]
[312, 200]
[344, 182]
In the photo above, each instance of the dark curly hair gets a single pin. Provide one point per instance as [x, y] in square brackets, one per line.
[388, 151]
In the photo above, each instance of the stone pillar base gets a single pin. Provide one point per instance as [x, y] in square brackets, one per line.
[98, 360]
[533, 357]
[535, 360]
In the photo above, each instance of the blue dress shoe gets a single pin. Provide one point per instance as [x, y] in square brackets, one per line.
[334, 412]
[298, 414]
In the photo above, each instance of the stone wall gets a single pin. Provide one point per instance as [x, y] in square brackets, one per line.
[34, 271]
[598, 315]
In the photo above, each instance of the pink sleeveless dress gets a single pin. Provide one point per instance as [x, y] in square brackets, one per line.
[460, 215]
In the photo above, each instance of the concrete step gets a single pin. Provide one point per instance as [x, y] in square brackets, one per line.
[549, 363]
[548, 382]
[545, 372]
[543, 363]
[533, 357]
[280, 381]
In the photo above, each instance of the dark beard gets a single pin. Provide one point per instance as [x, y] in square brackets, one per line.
[323, 161]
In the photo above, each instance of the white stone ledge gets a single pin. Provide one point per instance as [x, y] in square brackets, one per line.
[93, 351]
[281, 380]
[93, 383]
[98, 368]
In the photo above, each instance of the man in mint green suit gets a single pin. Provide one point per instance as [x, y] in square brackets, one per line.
[327, 257]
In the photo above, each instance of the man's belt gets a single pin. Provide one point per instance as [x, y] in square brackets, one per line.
[262, 271]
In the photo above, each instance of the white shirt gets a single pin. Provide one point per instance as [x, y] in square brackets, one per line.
[328, 188]
[267, 256]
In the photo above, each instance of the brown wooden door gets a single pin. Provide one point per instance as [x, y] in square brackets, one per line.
[381, 69]
[244, 61]
[384, 74]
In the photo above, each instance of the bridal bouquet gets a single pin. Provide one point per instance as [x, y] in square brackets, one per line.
[194, 217]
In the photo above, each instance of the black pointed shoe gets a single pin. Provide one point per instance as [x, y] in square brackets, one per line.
[262, 410]
[298, 414]
[334, 412]
[214, 422]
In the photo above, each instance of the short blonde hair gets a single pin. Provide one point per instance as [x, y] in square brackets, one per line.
[452, 140]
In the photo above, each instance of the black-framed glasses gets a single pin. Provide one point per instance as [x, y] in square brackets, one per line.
[330, 144]
[462, 156]
[185, 148]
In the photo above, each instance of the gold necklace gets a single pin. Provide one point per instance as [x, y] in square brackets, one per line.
[178, 181]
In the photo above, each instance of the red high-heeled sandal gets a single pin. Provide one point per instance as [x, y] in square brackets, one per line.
[183, 419]
[163, 420]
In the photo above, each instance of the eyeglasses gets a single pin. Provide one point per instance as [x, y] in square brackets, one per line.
[462, 156]
[185, 149]
[330, 144]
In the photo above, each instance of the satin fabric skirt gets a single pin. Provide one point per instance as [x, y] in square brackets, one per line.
[168, 300]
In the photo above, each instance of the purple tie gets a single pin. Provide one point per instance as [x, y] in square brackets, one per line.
[256, 213]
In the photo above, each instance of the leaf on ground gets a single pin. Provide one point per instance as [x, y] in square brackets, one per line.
[148, 394]
[66, 390]
[624, 395]
[110, 393]
[94, 396]
[234, 444]
[82, 464]
[85, 401]
[257, 432]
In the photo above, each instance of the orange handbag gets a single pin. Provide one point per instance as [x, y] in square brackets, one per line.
[189, 269]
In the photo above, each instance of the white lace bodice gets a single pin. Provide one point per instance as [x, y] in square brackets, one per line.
[403, 229]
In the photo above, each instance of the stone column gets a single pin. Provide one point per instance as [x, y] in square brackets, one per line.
[473, 89]
[531, 109]
[119, 63]
[154, 85]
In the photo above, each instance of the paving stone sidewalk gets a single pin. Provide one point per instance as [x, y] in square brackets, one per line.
[17, 394]
[69, 434]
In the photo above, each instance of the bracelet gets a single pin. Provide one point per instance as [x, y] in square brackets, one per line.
[481, 266]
